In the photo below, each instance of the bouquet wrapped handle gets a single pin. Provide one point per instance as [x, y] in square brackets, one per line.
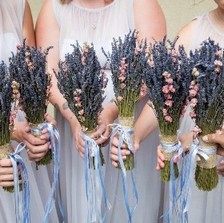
[206, 176]
[170, 147]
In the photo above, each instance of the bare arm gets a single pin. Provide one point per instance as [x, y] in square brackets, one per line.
[28, 29]
[149, 19]
[145, 124]
[185, 35]
[47, 34]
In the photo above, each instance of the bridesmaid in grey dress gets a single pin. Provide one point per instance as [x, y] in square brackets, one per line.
[62, 23]
[204, 207]
[15, 24]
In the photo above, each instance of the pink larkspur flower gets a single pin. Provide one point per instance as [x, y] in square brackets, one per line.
[219, 53]
[196, 88]
[218, 63]
[169, 80]
[193, 102]
[192, 114]
[81, 112]
[119, 98]
[168, 118]
[192, 93]
[171, 88]
[165, 112]
[168, 96]
[123, 85]
[169, 103]
[165, 89]
[166, 74]
[77, 99]
[122, 78]
[217, 70]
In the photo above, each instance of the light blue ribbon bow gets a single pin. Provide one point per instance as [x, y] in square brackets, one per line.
[16, 160]
[55, 151]
[177, 149]
[94, 182]
[125, 136]
[187, 176]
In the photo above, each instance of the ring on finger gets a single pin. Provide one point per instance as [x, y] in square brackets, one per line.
[103, 137]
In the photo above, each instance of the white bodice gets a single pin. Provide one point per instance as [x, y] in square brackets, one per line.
[205, 29]
[97, 26]
[11, 23]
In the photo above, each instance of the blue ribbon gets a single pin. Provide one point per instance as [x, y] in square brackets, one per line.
[173, 183]
[55, 150]
[17, 159]
[94, 181]
[188, 176]
[124, 135]
[185, 181]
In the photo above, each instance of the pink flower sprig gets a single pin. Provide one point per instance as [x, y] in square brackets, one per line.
[168, 90]
[127, 62]
[167, 76]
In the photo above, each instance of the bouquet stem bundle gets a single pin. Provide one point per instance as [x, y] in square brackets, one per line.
[36, 130]
[126, 61]
[168, 141]
[206, 176]
[127, 123]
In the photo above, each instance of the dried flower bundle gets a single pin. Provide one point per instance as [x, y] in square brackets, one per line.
[126, 62]
[5, 104]
[82, 81]
[167, 76]
[206, 95]
[28, 68]
[127, 71]
[6, 119]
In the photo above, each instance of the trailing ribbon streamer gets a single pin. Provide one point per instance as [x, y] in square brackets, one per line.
[173, 182]
[125, 137]
[17, 159]
[55, 151]
[94, 181]
[187, 178]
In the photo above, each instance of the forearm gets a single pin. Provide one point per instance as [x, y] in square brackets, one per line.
[60, 103]
[110, 111]
[145, 123]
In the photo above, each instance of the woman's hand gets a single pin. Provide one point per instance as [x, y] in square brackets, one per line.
[124, 150]
[36, 147]
[217, 137]
[186, 141]
[6, 173]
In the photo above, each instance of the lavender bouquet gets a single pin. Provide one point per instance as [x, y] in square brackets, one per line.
[82, 81]
[127, 76]
[206, 100]
[167, 76]
[5, 114]
[28, 69]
